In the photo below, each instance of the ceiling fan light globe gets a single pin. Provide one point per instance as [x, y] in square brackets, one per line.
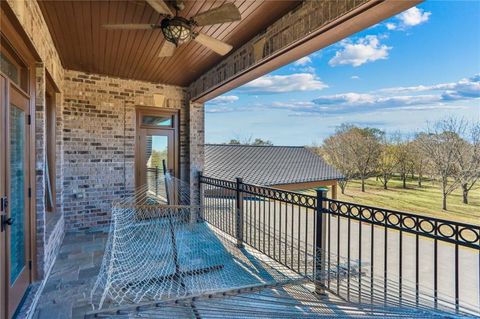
[176, 30]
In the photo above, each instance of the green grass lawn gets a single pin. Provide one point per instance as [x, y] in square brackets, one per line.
[426, 200]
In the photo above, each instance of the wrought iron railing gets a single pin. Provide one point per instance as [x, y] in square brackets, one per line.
[379, 255]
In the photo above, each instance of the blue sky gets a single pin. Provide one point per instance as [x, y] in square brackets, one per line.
[418, 67]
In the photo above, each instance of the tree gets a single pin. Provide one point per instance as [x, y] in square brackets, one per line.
[404, 160]
[467, 156]
[336, 154]
[234, 142]
[359, 146]
[248, 141]
[259, 141]
[387, 162]
[442, 143]
[157, 157]
[419, 158]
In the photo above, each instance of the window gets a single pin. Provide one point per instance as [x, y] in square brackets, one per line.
[157, 120]
[12, 66]
[50, 150]
[9, 68]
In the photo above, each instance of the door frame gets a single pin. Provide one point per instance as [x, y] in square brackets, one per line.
[14, 37]
[174, 129]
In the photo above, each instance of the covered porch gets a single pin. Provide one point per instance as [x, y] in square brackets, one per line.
[101, 110]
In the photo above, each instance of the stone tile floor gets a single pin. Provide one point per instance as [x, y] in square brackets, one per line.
[67, 291]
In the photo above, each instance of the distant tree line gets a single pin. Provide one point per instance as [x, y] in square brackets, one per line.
[447, 152]
[250, 141]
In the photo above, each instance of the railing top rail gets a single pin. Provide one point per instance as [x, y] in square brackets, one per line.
[404, 214]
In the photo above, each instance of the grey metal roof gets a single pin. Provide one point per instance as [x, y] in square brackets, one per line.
[266, 165]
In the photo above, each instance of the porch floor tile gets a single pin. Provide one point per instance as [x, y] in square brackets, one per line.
[67, 291]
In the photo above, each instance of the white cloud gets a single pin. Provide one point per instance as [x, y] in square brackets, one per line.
[284, 83]
[223, 99]
[367, 49]
[303, 61]
[464, 88]
[442, 96]
[413, 16]
[355, 77]
[409, 18]
[439, 96]
[391, 26]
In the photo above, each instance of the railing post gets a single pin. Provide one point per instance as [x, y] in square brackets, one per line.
[320, 241]
[200, 196]
[239, 213]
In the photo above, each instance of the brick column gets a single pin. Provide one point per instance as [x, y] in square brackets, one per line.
[40, 138]
[197, 147]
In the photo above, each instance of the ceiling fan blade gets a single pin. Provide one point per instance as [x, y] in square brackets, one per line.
[227, 12]
[218, 46]
[160, 6]
[167, 50]
[130, 26]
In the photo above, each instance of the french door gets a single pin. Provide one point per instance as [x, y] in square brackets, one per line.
[14, 194]
[156, 150]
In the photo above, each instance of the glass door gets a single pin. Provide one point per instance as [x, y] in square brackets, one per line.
[156, 150]
[15, 222]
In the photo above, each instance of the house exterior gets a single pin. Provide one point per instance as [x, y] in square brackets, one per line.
[83, 108]
[284, 167]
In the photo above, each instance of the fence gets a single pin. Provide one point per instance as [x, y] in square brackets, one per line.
[371, 254]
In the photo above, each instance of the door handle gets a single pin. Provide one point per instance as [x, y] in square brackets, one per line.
[5, 221]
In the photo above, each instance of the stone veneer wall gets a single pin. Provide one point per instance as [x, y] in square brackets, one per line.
[99, 141]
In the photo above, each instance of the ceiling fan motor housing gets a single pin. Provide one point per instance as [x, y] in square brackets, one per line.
[176, 30]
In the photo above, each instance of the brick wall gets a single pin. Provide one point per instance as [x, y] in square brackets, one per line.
[30, 17]
[99, 141]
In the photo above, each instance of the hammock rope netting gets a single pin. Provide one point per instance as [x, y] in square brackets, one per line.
[162, 260]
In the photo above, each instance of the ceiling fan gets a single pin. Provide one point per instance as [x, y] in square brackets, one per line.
[178, 30]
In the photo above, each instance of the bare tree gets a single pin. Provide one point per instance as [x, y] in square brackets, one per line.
[467, 155]
[387, 161]
[441, 144]
[360, 146]
[419, 159]
[336, 154]
[404, 160]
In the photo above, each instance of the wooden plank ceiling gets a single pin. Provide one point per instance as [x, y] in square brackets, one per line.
[84, 45]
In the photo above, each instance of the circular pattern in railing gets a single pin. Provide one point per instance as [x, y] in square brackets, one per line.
[446, 230]
[469, 235]
[393, 220]
[456, 233]
[355, 211]
[409, 222]
[426, 226]
[379, 216]
[366, 213]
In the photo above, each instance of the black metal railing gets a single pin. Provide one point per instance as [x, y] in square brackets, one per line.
[371, 254]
